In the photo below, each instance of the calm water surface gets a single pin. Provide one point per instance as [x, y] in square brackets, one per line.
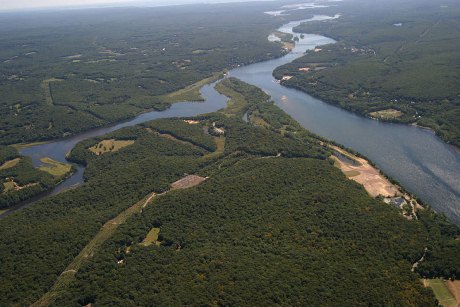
[418, 159]
[415, 157]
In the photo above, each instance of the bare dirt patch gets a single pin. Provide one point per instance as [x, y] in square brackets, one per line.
[386, 114]
[187, 182]
[454, 289]
[191, 122]
[367, 175]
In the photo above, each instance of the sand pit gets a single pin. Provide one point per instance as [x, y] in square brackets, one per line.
[367, 175]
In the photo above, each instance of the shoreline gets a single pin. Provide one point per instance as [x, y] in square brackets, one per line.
[375, 182]
[456, 147]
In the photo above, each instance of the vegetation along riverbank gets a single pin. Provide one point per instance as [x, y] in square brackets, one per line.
[272, 199]
[402, 68]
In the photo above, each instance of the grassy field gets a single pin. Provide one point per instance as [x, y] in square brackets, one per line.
[441, 292]
[350, 174]
[9, 186]
[242, 97]
[20, 146]
[10, 163]
[220, 144]
[191, 92]
[55, 168]
[46, 85]
[111, 145]
[236, 105]
[152, 237]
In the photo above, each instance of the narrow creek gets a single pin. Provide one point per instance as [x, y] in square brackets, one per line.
[420, 161]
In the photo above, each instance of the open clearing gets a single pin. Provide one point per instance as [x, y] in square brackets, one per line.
[191, 92]
[454, 289]
[111, 145]
[55, 168]
[220, 144]
[10, 163]
[11, 185]
[107, 230]
[387, 114]
[152, 237]
[46, 84]
[441, 292]
[187, 182]
[367, 175]
[8, 186]
[20, 146]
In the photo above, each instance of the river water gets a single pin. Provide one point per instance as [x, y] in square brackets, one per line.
[415, 157]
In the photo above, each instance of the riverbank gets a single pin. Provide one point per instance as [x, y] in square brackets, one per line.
[386, 67]
[286, 81]
[417, 159]
[399, 151]
[375, 182]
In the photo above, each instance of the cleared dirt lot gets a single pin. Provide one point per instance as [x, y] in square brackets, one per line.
[187, 182]
[367, 175]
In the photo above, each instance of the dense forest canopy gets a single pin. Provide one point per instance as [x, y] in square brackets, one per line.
[394, 60]
[65, 73]
[263, 227]
[241, 206]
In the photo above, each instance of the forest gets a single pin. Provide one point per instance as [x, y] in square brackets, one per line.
[274, 223]
[20, 180]
[394, 61]
[66, 73]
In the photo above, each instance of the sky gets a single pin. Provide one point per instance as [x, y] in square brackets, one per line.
[6, 5]
[28, 4]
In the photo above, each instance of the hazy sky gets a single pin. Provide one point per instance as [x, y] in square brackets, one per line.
[6, 5]
[25, 4]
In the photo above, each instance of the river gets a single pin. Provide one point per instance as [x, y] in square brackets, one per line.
[420, 161]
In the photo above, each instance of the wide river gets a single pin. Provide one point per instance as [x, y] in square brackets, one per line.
[420, 161]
